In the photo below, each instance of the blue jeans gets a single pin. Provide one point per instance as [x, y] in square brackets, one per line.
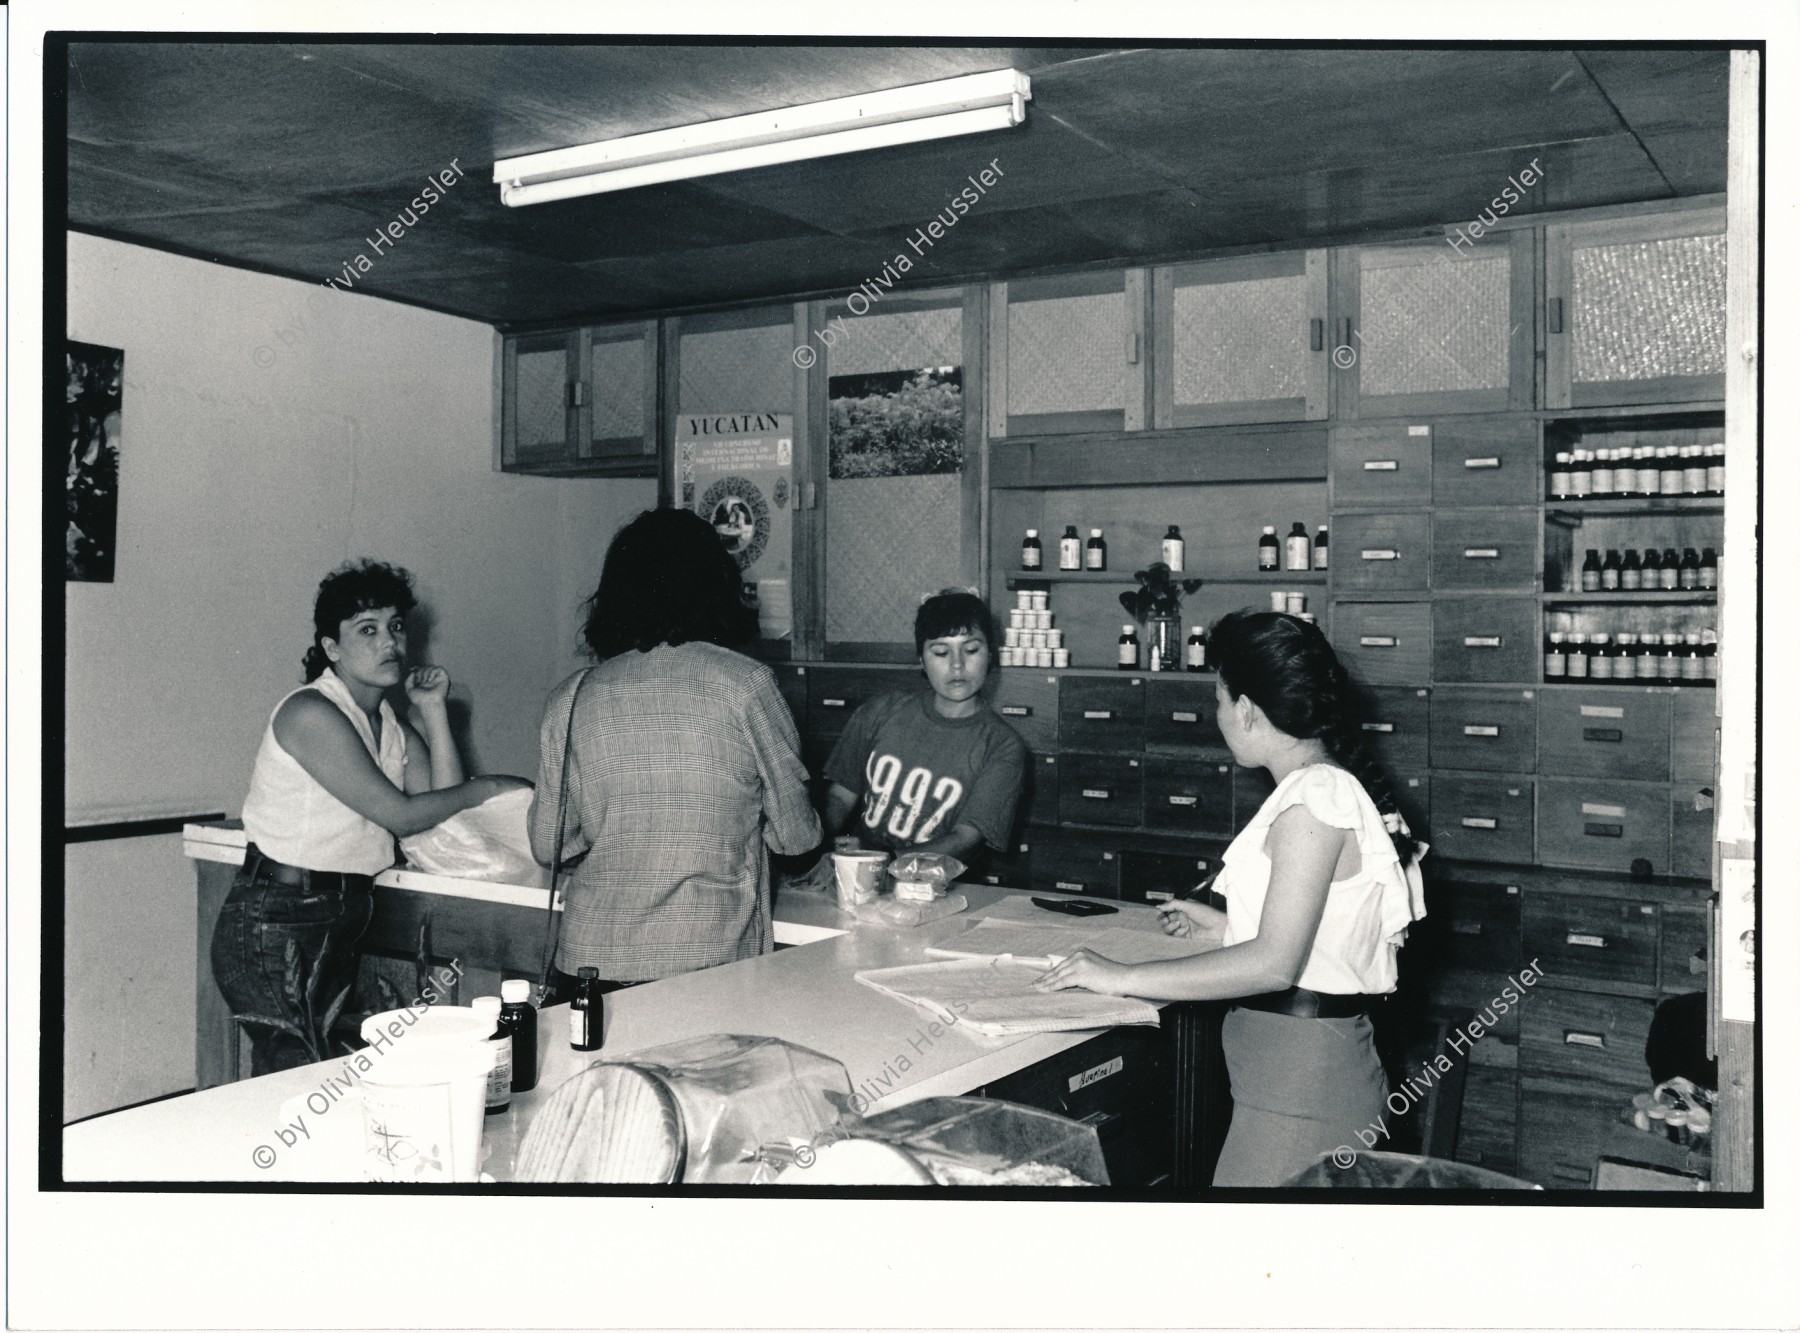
[284, 948]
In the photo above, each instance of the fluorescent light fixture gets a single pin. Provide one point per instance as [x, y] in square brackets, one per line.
[968, 104]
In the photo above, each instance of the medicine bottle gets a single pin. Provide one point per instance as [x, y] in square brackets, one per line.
[1693, 469]
[1649, 480]
[1600, 660]
[1625, 660]
[1268, 550]
[1668, 467]
[1590, 571]
[1668, 666]
[1031, 551]
[1578, 657]
[1068, 554]
[1299, 548]
[1669, 576]
[1625, 478]
[1603, 473]
[1581, 475]
[1321, 549]
[518, 1016]
[1652, 578]
[1556, 657]
[1196, 649]
[1631, 573]
[1709, 568]
[1709, 653]
[1559, 476]
[499, 1083]
[1174, 550]
[1128, 649]
[587, 1012]
[1715, 468]
[1692, 667]
[1096, 549]
[1609, 572]
[1688, 574]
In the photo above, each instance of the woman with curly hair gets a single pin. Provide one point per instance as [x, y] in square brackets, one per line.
[682, 762]
[1320, 888]
[338, 774]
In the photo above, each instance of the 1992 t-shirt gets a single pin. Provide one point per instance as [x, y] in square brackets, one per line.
[920, 774]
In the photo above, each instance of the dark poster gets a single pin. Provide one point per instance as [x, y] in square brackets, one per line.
[92, 482]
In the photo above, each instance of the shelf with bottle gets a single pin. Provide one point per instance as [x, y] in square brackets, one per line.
[1640, 597]
[1033, 578]
[1635, 460]
[1665, 648]
[1634, 574]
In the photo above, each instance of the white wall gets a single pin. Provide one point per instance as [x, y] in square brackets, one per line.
[273, 430]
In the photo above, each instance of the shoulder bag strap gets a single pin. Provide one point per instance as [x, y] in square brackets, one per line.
[553, 921]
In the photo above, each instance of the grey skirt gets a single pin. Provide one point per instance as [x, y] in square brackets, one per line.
[1299, 1087]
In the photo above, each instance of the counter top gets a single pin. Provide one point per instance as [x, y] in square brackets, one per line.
[806, 995]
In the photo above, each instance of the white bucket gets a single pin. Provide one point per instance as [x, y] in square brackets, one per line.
[858, 876]
[425, 1100]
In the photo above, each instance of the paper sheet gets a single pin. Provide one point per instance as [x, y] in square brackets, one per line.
[1019, 907]
[993, 937]
[993, 996]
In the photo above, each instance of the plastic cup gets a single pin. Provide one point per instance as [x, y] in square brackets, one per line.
[424, 1102]
[858, 876]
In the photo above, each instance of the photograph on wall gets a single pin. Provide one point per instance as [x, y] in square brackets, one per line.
[95, 428]
[897, 423]
[736, 471]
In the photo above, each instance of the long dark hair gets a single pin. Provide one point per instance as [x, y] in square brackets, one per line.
[361, 585]
[1290, 672]
[667, 579]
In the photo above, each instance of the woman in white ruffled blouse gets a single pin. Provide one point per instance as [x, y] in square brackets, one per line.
[1320, 888]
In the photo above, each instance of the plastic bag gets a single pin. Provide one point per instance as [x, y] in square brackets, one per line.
[921, 877]
[489, 841]
[897, 912]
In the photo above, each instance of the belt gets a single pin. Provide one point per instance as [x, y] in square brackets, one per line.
[1298, 1002]
[280, 872]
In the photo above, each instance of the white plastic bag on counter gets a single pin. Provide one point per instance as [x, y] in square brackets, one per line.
[887, 911]
[489, 841]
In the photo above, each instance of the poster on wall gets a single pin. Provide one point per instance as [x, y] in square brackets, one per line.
[95, 430]
[736, 470]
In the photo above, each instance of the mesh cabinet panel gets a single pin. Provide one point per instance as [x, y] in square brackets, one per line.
[1649, 309]
[1437, 326]
[1066, 354]
[871, 343]
[540, 408]
[617, 374]
[888, 542]
[1241, 342]
[738, 370]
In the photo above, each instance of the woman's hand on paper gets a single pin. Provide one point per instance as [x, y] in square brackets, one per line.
[1085, 970]
[1193, 921]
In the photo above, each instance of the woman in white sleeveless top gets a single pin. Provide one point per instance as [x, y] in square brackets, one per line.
[338, 774]
[1320, 888]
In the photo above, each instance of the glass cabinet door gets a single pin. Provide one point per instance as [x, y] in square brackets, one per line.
[1635, 310]
[1428, 327]
[1068, 354]
[538, 401]
[1241, 340]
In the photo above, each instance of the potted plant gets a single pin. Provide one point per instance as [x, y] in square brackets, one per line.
[1156, 605]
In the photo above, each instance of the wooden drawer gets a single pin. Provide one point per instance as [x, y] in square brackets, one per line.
[1156, 877]
[1691, 828]
[1683, 938]
[1490, 730]
[1375, 465]
[1384, 643]
[1009, 869]
[1601, 824]
[834, 693]
[1372, 554]
[1561, 1127]
[1612, 733]
[1480, 549]
[1693, 734]
[1100, 789]
[1187, 795]
[1181, 715]
[1487, 1135]
[1491, 461]
[1483, 819]
[1580, 1035]
[1579, 939]
[1470, 927]
[1485, 639]
[1250, 787]
[1041, 790]
[1101, 715]
[1412, 793]
[1463, 995]
[1397, 726]
[1027, 700]
[1072, 864]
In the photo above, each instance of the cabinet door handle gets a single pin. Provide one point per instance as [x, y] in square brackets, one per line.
[1383, 727]
[1318, 335]
[1380, 553]
[1481, 462]
[1481, 553]
[1131, 349]
[1184, 717]
[1184, 800]
[1096, 793]
[1014, 710]
[1381, 465]
[1377, 641]
[1586, 941]
[1555, 313]
[1098, 715]
[1603, 830]
[1481, 641]
[1465, 927]
[1593, 1039]
[1475, 729]
[1608, 735]
[1480, 821]
[1344, 324]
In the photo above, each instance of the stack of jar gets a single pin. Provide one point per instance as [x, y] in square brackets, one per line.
[1644, 470]
[1689, 658]
[1666, 572]
[1032, 639]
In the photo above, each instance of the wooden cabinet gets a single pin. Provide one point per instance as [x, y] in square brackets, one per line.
[1397, 727]
[1603, 823]
[1071, 862]
[1602, 732]
[1242, 340]
[1476, 639]
[1483, 819]
[1374, 554]
[1383, 643]
[1102, 715]
[1485, 461]
[1484, 550]
[1028, 701]
[1181, 715]
[1489, 729]
[1100, 789]
[1190, 796]
[1433, 327]
[1579, 1035]
[1381, 465]
[582, 402]
[1069, 354]
[1635, 310]
[1589, 942]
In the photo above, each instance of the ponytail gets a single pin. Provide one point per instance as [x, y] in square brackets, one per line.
[1344, 743]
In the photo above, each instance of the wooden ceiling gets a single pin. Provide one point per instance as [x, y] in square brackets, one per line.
[285, 158]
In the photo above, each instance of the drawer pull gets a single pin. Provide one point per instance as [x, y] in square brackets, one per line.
[1098, 715]
[1377, 641]
[1608, 735]
[1014, 710]
[1383, 727]
[1381, 465]
[1184, 717]
[1184, 800]
[1481, 553]
[1605, 811]
[1601, 710]
[1096, 793]
[1481, 462]
[1562, 1170]
[1481, 641]
[1381, 553]
[1587, 941]
[1479, 821]
[1476, 729]
[1465, 927]
[1603, 830]
[1593, 1039]
[832, 703]
[1069, 887]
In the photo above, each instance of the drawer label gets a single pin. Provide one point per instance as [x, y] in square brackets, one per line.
[1014, 710]
[1184, 717]
[1068, 887]
[1593, 1039]
[1096, 794]
[1098, 714]
[1476, 730]
[1481, 641]
[1481, 462]
[1382, 553]
[1601, 710]
[1607, 811]
[1418, 430]
[831, 703]
[1079, 1081]
[1377, 641]
[1381, 465]
[1383, 727]
[1184, 800]
[1481, 553]
[1479, 821]
[1465, 927]
[1587, 941]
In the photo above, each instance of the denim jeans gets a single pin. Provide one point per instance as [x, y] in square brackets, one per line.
[323, 918]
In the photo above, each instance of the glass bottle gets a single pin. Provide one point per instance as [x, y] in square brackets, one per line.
[1693, 470]
[1625, 478]
[1268, 550]
[1590, 571]
[1031, 551]
[1096, 549]
[1631, 572]
[1652, 569]
[1609, 572]
[1692, 668]
[1559, 476]
[1299, 548]
[1688, 573]
[499, 1084]
[1068, 553]
[1715, 468]
[1128, 649]
[1600, 659]
[1556, 657]
[1709, 568]
[1174, 550]
[587, 1012]
[1603, 473]
[1649, 479]
[1581, 474]
[1668, 460]
[1578, 657]
[1668, 666]
[1321, 550]
[1709, 653]
[519, 1017]
[1625, 659]
[1669, 576]
[1196, 649]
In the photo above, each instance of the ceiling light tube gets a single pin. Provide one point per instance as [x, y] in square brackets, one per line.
[967, 105]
